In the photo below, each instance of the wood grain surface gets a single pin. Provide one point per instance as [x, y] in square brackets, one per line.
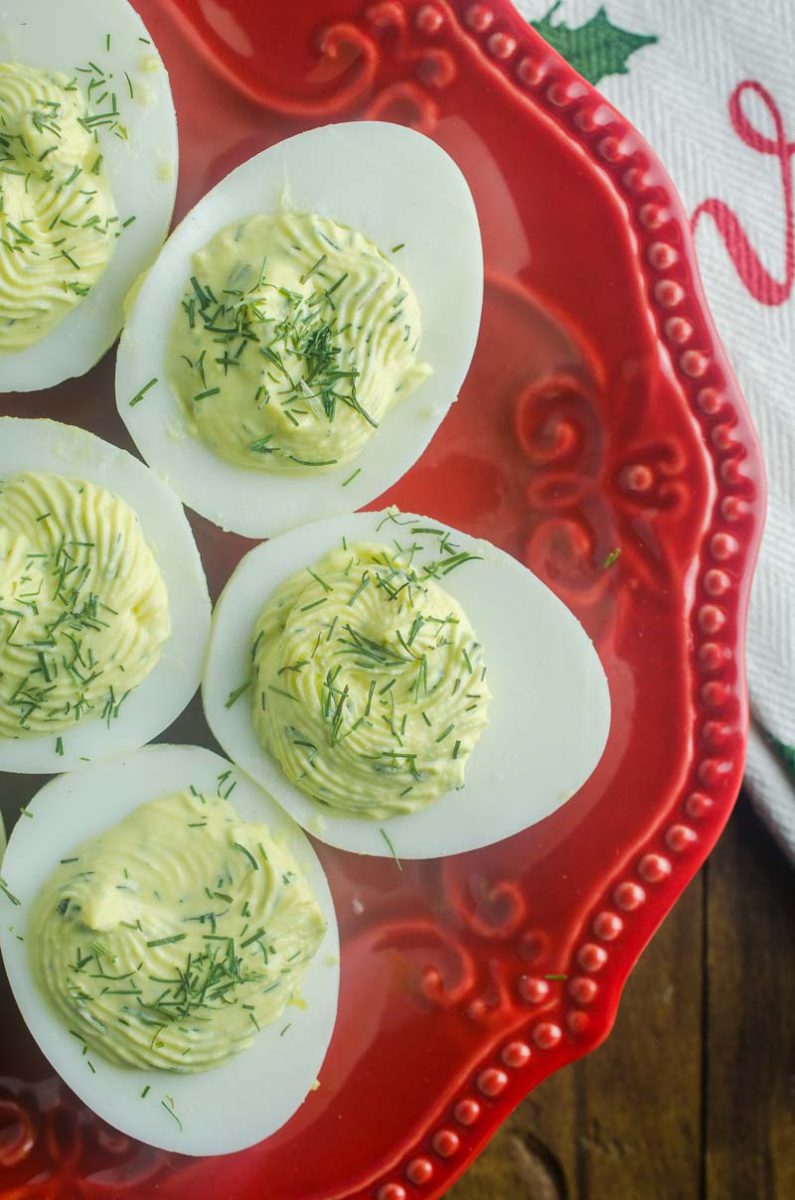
[693, 1095]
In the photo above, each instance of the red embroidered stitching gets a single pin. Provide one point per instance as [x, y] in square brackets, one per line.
[763, 286]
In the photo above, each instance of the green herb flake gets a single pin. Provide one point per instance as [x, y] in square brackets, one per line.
[138, 397]
[7, 893]
[391, 846]
[252, 860]
[168, 1105]
[167, 941]
[237, 693]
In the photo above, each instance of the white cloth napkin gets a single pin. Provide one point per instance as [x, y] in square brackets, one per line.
[711, 85]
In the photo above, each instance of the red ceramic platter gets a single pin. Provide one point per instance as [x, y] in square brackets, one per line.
[599, 415]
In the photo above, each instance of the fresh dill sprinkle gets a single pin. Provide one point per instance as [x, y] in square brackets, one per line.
[364, 583]
[213, 391]
[129, 221]
[138, 397]
[395, 667]
[308, 274]
[351, 477]
[237, 693]
[392, 849]
[308, 462]
[308, 372]
[169, 1107]
[59, 746]
[146, 1091]
[555, 977]
[4, 888]
[611, 558]
[322, 582]
[399, 246]
[167, 941]
[252, 860]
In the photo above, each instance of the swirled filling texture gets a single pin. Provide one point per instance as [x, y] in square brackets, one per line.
[369, 683]
[170, 939]
[83, 607]
[294, 338]
[58, 220]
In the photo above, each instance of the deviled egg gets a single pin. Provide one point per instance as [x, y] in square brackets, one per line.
[305, 329]
[104, 610]
[88, 172]
[171, 941]
[403, 688]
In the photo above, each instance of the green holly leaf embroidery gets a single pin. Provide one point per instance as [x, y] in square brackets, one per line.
[786, 752]
[595, 49]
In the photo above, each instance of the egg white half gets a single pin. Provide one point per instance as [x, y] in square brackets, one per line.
[254, 1093]
[63, 35]
[549, 714]
[389, 182]
[40, 445]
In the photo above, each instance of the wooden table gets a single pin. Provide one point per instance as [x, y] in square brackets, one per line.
[693, 1095]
